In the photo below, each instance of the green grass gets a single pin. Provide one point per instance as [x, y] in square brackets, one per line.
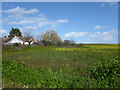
[19, 75]
[53, 66]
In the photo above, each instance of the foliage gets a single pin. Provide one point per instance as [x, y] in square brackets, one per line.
[16, 44]
[17, 75]
[51, 36]
[27, 34]
[15, 32]
[47, 43]
[56, 67]
[107, 73]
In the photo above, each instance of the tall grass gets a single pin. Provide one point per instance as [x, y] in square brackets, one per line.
[54, 67]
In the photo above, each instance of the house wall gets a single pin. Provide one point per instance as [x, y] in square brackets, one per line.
[33, 40]
[26, 43]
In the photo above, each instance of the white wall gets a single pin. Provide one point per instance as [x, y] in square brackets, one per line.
[15, 40]
[26, 43]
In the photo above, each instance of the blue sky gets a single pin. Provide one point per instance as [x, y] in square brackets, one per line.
[81, 21]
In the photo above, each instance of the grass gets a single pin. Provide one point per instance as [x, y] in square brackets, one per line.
[18, 75]
[54, 67]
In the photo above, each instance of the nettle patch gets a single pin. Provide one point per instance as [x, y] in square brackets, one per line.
[55, 67]
[107, 73]
[19, 75]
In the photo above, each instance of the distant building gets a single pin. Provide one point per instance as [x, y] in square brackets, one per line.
[66, 41]
[18, 39]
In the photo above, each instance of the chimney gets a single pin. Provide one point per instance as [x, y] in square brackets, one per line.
[5, 36]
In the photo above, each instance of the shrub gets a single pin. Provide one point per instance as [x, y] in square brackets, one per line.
[107, 73]
[16, 44]
[20, 75]
[46, 43]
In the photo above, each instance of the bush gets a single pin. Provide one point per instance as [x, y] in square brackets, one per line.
[19, 75]
[16, 44]
[46, 43]
[107, 73]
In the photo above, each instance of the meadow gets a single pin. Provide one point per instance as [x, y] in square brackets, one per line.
[55, 67]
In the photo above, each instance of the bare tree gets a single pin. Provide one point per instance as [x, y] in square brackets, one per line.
[51, 36]
[27, 35]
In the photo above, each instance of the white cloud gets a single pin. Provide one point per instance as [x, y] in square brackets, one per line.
[29, 20]
[94, 36]
[102, 5]
[104, 36]
[75, 34]
[22, 22]
[19, 10]
[62, 21]
[113, 4]
[18, 16]
[46, 23]
[3, 32]
[28, 28]
[42, 14]
[39, 21]
[100, 27]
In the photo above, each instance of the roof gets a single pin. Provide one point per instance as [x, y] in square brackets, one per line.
[25, 39]
[5, 40]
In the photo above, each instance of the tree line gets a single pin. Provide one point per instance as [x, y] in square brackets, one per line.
[48, 38]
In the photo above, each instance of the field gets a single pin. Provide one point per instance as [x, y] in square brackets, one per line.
[55, 67]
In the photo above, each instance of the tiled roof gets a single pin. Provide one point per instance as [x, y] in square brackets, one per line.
[5, 40]
[25, 39]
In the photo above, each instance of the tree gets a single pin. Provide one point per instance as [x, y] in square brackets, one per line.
[51, 36]
[15, 32]
[28, 35]
[39, 37]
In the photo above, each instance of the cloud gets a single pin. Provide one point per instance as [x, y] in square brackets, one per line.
[100, 27]
[48, 23]
[39, 21]
[62, 21]
[19, 10]
[113, 4]
[102, 5]
[29, 20]
[104, 36]
[94, 36]
[22, 22]
[3, 32]
[19, 16]
[28, 28]
[75, 34]
[42, 14]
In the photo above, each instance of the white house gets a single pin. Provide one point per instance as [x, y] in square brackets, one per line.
[18, 39]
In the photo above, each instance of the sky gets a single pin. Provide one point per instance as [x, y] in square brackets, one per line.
[84, 22]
